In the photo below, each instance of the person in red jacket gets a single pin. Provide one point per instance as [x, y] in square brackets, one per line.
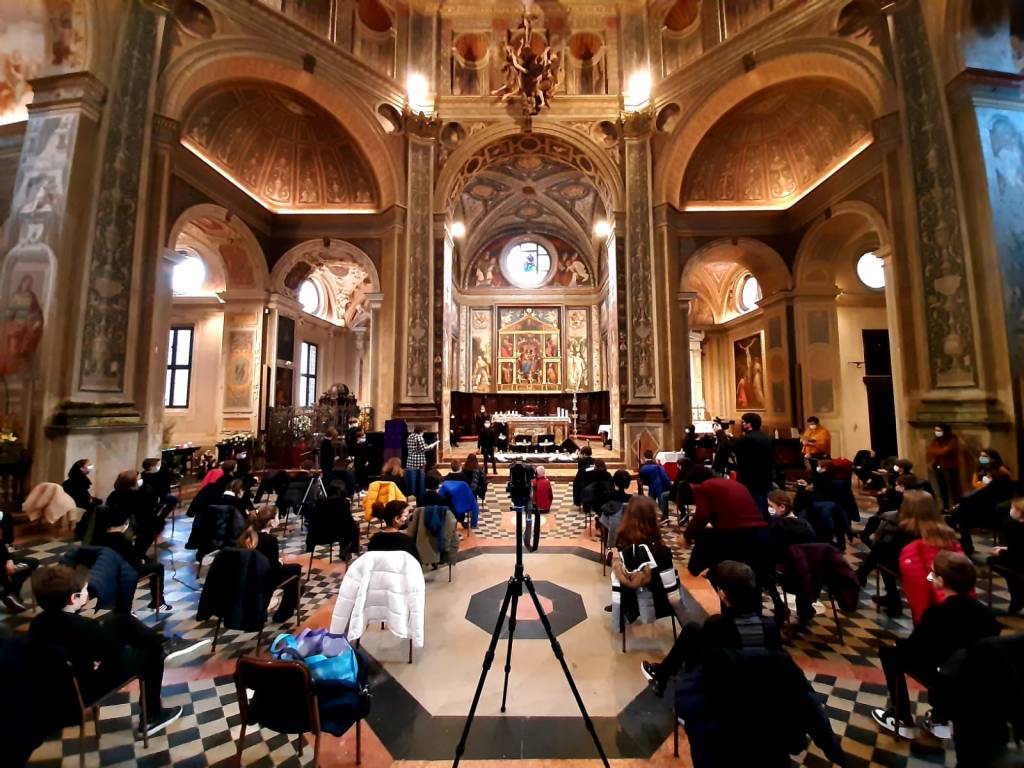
[543, 497]
[728, 525]
[931, 536]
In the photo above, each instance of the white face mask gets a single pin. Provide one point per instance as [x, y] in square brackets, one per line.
[895, 468]
[821, 470]
[138, 483]
[487, 424]
[986, 479]
[89, 468]
[939, 433]
[155, 469]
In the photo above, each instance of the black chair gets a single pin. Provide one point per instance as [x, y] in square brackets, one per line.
[545, 443]
[523, 443]
[283, 700]
[83, 707]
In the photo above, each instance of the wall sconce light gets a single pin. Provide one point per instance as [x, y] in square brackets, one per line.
[637, 95]
[602, 228]
[458, 229]
[418, 94]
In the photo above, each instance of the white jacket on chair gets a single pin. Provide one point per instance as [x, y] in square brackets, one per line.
[382, 586]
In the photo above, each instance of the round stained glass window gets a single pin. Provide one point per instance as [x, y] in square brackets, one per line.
[527, 265]
[871, 271]
[750, 293]
[188, 275]
[309, 297]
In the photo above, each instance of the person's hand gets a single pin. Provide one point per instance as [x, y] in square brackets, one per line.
[10, 567]
[995, 551]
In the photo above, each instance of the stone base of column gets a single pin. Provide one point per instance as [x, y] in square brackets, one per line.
[638, 437]
[112, 437]
[980, 412]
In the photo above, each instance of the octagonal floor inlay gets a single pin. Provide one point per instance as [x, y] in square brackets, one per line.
[563, 608]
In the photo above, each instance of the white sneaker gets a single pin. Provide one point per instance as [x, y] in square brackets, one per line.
[939, 730]
[887, 721]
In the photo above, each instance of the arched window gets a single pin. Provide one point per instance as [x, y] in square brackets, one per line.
[527, 264]
[311, 298]
[749, 293]
[188, 275]
[871, 271]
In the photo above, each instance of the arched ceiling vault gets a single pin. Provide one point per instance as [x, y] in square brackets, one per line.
[281, 148]
[776, 146]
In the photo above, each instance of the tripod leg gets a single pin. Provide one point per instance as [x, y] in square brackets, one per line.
[488, 660]
[557, 649]
[511, 635]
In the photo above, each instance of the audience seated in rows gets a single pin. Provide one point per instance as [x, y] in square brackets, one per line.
[392, 538]
[979, 508]
[434, 531]
[459, 496]
[1010, 556]
[78, 485]
[655, 479]
[381, 492]
[258, 536]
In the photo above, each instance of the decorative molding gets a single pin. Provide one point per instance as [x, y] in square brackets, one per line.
[951, 344]
[419, 258]
[78, 90]
[640, 289]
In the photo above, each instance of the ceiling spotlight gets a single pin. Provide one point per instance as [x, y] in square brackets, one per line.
[602, 228]
[638, 91]
[418, 94]
[458, 229]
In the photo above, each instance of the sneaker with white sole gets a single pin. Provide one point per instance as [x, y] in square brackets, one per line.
[178, 649]
[886, 720]
[940, 730]
[166, 716]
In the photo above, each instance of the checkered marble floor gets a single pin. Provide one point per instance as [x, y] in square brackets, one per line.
[204, 736]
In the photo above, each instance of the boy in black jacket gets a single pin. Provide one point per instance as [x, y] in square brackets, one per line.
[103, 653]
[954, 624]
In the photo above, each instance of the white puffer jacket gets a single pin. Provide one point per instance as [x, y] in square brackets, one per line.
[382, 586]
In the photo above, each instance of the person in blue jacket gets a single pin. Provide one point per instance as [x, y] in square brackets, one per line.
[654, 477]
[460, 497]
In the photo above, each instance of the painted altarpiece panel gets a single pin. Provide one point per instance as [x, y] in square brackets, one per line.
[529, 349]
[577, 349]
[481, 351]
[749, 362]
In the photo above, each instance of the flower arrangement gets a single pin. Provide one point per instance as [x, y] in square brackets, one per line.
[8, 436]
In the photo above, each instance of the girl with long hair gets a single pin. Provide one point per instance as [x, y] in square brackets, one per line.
[257, 535]
[921, 520]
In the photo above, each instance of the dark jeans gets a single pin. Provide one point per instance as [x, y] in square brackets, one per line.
[683, 652]
[948, 481]
[532, 532]
[897, 664]
[156, 583]
[1014, 579]
[489, 456]
[415, 480]
[290, 591]
[11, 585]
[141, 654]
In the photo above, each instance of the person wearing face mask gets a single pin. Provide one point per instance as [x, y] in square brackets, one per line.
[360, 453]
[755, 465]
[979, 508]
[394, 515]
[816, 441]
[78, 485]
[786, 528]
[486, 441]
[1010, 556]
[944, 459]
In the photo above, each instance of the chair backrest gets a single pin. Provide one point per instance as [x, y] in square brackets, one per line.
[284, 699]
[524, 440]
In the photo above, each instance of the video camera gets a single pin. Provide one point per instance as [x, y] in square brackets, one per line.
[520, 484]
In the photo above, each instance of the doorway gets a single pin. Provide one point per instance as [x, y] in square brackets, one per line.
[881, 397]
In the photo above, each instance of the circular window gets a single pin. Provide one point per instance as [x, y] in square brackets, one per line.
[188, 275]
[309, 297]
[527, 265]
[750, 293]
[871, 271]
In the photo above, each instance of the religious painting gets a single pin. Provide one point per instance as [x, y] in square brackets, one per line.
[228, 242]
[529, 349]
[238, 388]
[481, 351]
[749, 359]
[284, 387]
[577, 348]
[26, 286]
[572, 272]
[285, 339]
[485, 272]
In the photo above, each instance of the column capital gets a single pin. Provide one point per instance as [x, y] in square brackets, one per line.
[374, 300]
[166, 131]
[420, 125]
[75, 90]
[685, 298]
[639, 124]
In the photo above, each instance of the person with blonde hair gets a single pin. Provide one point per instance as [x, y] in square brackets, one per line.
[924, 524]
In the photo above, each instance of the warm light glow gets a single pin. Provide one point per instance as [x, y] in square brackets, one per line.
[309, 297]
[602, 228]
[418, 94]
[187, 276]
[871, 271]
[273, 209]
[638, 91]
[458, 229]
[750, 293]
[785, 206]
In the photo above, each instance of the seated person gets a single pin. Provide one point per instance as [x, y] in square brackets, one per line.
[657, 482]
[157, 481]
[739, 625]
[889, 501]
[236, 496]
[393, 473]
[681, 493]
[104, 652]
[258, 535]
[14, 571]
[331, 521]
[225, 470]
[614, 505]
[1011, 555]
[382, 491]
[584, 465]
[344, 476]
[431, 498]
[893, 533]
[394, 515]
[786, 528]
[933, 536]
[978, 509]
[456, 471]
[597, 485]
[113, 530]
[462, 501]
[957, 622]
[78, 485]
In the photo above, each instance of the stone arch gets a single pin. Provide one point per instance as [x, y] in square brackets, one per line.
[837, 60]
[239, 257]
[346, 302]
[852, 223]
[738, 257]
[218, 61]
[596, 163]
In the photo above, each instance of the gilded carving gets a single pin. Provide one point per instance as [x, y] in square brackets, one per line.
[941, 245]
[105, 326]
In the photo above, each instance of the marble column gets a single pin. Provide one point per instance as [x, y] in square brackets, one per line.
[375, 389]
[958, 379]
[682, 364]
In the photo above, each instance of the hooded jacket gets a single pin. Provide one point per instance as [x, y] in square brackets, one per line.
[382, 586]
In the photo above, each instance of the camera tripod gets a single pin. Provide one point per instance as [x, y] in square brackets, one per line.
[512, 594]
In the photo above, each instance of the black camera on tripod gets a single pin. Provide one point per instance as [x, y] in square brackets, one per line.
[519, 486]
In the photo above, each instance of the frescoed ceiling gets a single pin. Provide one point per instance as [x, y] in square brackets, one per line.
[775, 147]
[281, 148]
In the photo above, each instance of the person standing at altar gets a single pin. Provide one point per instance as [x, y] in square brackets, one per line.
[486, 441]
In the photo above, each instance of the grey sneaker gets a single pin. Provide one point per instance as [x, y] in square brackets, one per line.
[178, 649]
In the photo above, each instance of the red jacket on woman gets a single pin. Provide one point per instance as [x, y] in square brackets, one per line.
[542, 494]
[915, 563]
